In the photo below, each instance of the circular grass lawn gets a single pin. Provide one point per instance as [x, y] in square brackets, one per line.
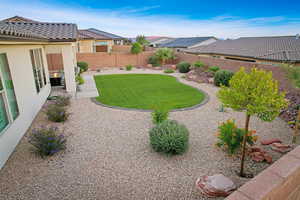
[146, 91]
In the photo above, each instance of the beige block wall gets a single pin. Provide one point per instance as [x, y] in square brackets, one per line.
[87, 46]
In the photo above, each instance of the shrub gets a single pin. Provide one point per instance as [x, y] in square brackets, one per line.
[56, 113]
[136, 48]
[154, 61]
[129, 67]
[231, 137]
[159, 115]
[62, 101]
[223, 77]
[169, 137]
[183, 67]
[83, 66]
[164, 54]
[79, 79]
[47, 141]
[199, 64]
[214, 69]
[168, 71]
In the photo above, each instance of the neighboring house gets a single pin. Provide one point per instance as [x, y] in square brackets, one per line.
[189, 42]
[157, 41]
[266, 50]
[24, 76]
[93, 40]
[18, 19]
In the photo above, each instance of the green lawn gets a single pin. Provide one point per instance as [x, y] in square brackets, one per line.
[146, 91]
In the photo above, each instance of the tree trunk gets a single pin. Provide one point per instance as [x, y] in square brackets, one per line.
[297, 121]
[244, 145]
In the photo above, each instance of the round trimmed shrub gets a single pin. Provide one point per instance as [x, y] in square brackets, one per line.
[183, 67]
[169, 137]
[223, 77]
[83, 66]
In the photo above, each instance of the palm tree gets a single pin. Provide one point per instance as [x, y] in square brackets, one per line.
[164, 54]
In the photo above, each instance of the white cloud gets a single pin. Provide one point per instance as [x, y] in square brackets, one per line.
[130, 21]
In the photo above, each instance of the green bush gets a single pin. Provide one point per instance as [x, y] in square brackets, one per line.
[169, 137]
[79, 79]
[223, 77]
[168, 71]
[83, 66]
[231, 137]
[154, 61]
[214, 69]
[57, 113]
[136, 48]
[62, 101]
[293, 73]
[159, 115]
[199, 64]
[47, 141]
[183, 67]
[129, 67]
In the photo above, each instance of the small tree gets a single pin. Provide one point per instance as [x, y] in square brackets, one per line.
[164, 54]
[142, 40]
[255, 93]
[136, 48]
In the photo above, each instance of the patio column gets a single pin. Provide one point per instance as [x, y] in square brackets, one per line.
[69, 62]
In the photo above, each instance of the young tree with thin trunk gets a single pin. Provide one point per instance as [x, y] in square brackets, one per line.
[256, 94]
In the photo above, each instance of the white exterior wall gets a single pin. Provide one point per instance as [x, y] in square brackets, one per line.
[29, 101]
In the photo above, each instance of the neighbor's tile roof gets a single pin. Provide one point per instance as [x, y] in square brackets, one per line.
[92, 33]
[39, 30]
[18, 19]
[280, 48]
[185, 42]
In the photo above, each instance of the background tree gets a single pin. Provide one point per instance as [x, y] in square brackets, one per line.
[136, 48]
[255, 93]
[164, 54]
[142, 40]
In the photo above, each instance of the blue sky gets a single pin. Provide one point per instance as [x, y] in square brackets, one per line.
[224, 19]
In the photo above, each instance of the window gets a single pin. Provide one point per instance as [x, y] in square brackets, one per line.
[38, 69]
[9, 110]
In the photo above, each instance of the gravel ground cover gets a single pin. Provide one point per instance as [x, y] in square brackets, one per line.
[108, 155]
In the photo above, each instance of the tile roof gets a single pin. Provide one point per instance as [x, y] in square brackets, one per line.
[18, 19]
[93, 33]
[39, 30]
[185, 42]
[278, 48]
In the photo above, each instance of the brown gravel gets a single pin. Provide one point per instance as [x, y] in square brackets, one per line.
[108, 155]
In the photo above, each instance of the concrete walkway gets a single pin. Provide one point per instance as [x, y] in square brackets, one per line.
[88, 89]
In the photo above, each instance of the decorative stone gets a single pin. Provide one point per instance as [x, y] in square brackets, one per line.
[149, 65]
[270, 141]
[259, 155]
[217, 185]
[281, 148]
[173, 67]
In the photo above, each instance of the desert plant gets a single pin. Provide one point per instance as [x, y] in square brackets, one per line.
[154, 61]
[79, 79]
[168, 71]
[199, 64]
[214, 69]
[56, 113]
[47, 141]
[255, 93]
[83, 66]
[169, 137]
[223, 77]
[183, 67]
[159, 115]
[136, 48]
[62, 101]
[142, 40]
[231, 137]
[129, 67]
[164, 54]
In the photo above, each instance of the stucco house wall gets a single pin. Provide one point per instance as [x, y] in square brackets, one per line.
[87, 46]
[29, 101]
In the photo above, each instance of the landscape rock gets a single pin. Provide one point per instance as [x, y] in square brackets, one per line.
[217, 185]
[281, 148]
[259, 155]
[270, 141]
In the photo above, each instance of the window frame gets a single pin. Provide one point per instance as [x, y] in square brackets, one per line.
[3, 94]
[38, 68]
